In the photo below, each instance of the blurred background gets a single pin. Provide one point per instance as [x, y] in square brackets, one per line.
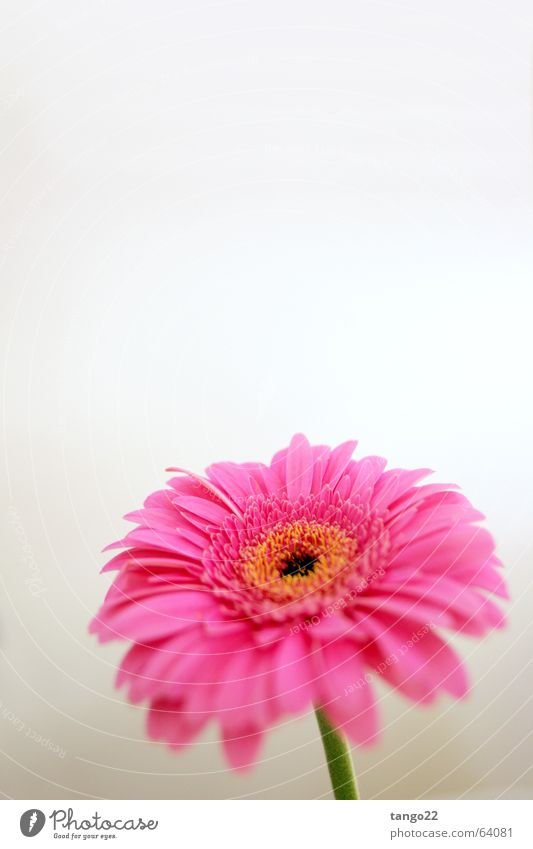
[221, 223]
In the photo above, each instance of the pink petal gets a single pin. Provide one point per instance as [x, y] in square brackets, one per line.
[177, 543]
[417, 659]
[147, 670]
[212, 513]
[350, 707]
[207, 485]
[467, 611]
[239, 481]
[299, 472]
[415, 495]
[364, 475]
[156, 518]
[146, 557]
[338, 461]
[320, 454]
[394, 483]
[294, 674]
[443, 551]
[242, 747]
[168, 723]
[157, 616]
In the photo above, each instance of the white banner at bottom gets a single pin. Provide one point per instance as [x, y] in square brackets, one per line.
[272, 824]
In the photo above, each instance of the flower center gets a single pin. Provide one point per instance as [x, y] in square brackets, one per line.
[283, 559]
[299, 564]
[296, 559]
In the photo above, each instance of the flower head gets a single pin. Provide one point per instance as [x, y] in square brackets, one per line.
[259, 591]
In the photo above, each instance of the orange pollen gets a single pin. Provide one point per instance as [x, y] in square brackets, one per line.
[294, 560]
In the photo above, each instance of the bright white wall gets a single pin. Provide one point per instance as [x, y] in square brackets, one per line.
[221, 223]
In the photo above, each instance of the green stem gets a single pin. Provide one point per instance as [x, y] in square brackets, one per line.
[339, 760]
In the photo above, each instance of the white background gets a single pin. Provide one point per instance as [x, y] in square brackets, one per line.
[221, 223]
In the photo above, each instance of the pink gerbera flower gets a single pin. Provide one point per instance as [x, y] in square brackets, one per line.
[260, 591]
